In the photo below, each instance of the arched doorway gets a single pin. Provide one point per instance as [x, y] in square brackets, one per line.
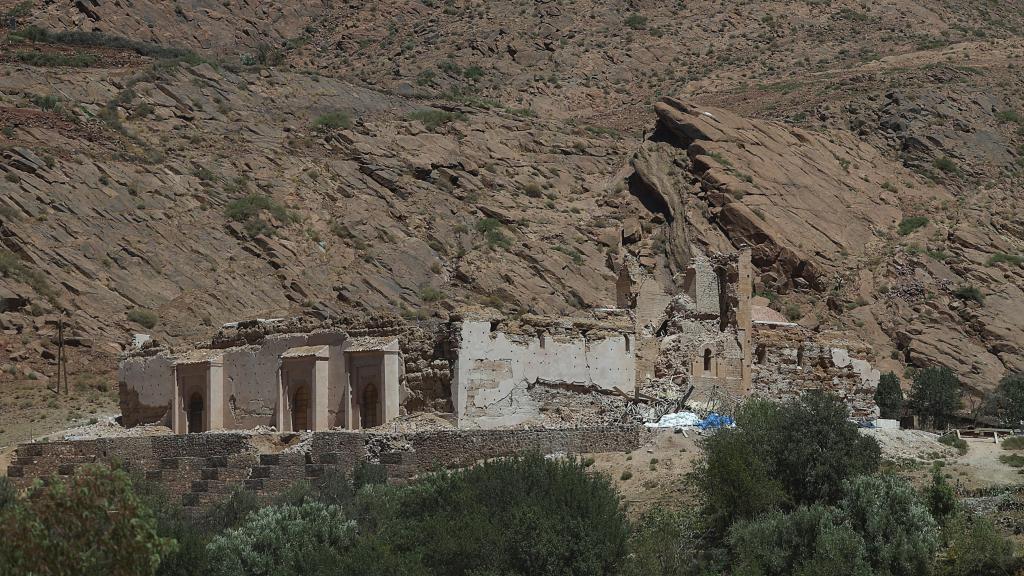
[369, 405]
[195, 413]
[707, 360]
[300, 409]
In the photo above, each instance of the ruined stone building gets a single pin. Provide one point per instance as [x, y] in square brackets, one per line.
[477, 370]
[710, 339]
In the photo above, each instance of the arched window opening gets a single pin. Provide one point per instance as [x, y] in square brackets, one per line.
[761, 352]
[300, 410]
[707, 360]
[195, 413]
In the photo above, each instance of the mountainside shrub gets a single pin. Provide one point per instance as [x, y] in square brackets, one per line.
[908, 225]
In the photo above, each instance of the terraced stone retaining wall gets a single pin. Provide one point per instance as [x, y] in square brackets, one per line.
[201, 469]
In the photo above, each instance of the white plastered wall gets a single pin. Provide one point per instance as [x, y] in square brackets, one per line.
[492, 366]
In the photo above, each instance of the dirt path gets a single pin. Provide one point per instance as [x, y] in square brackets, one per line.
[981, 467]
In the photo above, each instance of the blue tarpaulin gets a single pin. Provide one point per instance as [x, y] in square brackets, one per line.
[714, 420]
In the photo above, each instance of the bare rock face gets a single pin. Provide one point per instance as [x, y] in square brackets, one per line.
[821, 211]
[806, 203]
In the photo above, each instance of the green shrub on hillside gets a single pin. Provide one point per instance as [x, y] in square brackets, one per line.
[491, 229]
[810, 541]
[80, 38]
[636, 21]
[899, 533]
[908, 225]
[143, 317]
[338, 120]
[248, 209]
[55, 59]
[1013, 443]
[517, 516]
[433, 119]
[1000, 257]
[945, 164]
[953, 441]
[969, 293]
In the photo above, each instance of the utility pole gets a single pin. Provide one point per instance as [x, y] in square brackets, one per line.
[60, 349]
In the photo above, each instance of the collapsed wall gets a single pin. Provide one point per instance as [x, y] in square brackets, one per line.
[702, 336]
[200, 469]
[790, 360]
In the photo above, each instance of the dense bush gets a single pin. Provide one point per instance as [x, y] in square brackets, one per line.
[976, 548]
[249, 208]
[665, 543]
[304, 539]
[810, 541]
[969, 293]
[940, 498]
[899, 533]
[935, 395]
[521, 516]
[54, 59]
[91, 523]
[954, 441]
[491, 229]
[781, 456]
[889, 396]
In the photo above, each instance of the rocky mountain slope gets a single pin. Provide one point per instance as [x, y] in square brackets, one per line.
[322, 158]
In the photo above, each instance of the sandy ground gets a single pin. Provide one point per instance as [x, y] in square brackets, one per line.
[656, 471]
[981, 468]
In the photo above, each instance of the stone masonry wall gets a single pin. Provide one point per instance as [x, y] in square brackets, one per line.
[200, 469]
[791, 361]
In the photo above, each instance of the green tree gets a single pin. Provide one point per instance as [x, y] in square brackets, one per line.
[935, 395]
[283, 540]
[781, 456]
[899, 533]
[91, 523]
[940, 498]
[1010, 400]
[810, 541]
[889, 396]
